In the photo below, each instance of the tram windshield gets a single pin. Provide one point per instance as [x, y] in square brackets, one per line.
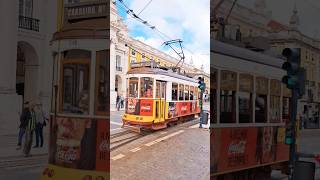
[133, 87]
[146, 87]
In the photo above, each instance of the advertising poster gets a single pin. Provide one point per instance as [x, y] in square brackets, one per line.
[184, 108]
[74, 143]
[133, 106]
[146, 107]
[173, 110]
[238, 148]
[102, 147]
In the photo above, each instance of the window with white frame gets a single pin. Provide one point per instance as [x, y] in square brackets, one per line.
[26, 8]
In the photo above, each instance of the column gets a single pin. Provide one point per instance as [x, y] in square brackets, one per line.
[10, 103]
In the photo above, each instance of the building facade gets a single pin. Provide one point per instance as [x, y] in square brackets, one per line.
[25, 65]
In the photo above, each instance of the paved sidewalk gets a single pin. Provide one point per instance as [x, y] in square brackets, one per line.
[9, 145]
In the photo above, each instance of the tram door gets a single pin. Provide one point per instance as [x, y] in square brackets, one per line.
[160, 101]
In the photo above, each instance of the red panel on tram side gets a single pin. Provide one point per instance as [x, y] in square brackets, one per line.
[146, 107]
[184, 108]
[74, 143]
[102, 146]
[238, 148]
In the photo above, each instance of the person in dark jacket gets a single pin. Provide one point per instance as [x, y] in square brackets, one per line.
[24, 119]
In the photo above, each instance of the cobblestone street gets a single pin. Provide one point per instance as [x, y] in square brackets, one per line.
[180, 152]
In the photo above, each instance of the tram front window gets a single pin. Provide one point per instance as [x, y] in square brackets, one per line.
[146, 87]
[76, 88]
[133, 87]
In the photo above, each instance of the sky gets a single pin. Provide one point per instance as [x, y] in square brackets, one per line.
[308, 12]
[177, 19]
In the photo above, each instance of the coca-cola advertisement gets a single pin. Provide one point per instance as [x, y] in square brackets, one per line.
[73, 143]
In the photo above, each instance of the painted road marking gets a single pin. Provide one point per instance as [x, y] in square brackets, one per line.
[135, 149]
[164, 138]
[119, 156]
[116, 123]
[116, 129]
[194, 126]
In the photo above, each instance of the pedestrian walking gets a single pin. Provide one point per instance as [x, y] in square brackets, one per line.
[40, 119]
[122, 102]
[24, 119]
[29, 132]
[118, 103]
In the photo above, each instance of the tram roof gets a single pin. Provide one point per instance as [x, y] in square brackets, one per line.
[245, 54]
[149, 70]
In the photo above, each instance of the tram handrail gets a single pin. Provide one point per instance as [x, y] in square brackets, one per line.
[81, 116]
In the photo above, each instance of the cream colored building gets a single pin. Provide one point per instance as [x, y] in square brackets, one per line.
[25, 66]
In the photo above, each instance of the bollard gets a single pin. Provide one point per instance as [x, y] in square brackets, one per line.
[304, 170]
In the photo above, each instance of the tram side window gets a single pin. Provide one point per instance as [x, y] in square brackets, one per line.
[158, 84]
[186, 92]
[245, 110]
[146, 85]
[181, 88]
[261, 108]
[102, 85]
[227, 106]
[76, 88]
[275, 109]
[133, 87]
[174, 92]
[195, 95]
[191, 92]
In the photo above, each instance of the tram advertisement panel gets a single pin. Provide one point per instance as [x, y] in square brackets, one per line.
[236, 148]
[79, 143]
[146, 107]
[176, 109]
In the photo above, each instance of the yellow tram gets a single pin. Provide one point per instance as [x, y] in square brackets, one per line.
[79, 127]
[157, 97]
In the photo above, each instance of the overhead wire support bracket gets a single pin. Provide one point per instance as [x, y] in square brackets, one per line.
[180, 54]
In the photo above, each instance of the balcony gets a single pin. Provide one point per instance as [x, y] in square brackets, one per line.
[29, 23]
[119, 68]
[86, 10]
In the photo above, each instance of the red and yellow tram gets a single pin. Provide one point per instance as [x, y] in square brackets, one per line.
[250, 110]
[79, 127]
[157, 97]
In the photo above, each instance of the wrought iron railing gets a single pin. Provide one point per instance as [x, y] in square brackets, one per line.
[86, 10]
[29, 23]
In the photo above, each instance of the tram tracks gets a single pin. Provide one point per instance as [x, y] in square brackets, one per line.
[120, 139]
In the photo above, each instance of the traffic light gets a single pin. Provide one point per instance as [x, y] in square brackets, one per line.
[202, 85]
[289, 135]
[295, 78]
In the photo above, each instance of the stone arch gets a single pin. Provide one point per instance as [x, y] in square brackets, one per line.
[27, 72]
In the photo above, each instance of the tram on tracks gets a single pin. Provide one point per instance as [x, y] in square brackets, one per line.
[250, 110]
[158, 97]
[79, 122]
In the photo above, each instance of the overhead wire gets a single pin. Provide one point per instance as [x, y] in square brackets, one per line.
[161, 34]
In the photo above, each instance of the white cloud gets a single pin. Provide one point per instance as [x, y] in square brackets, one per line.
[187, 20]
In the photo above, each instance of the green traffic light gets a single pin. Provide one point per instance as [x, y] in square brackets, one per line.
[288, 140]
